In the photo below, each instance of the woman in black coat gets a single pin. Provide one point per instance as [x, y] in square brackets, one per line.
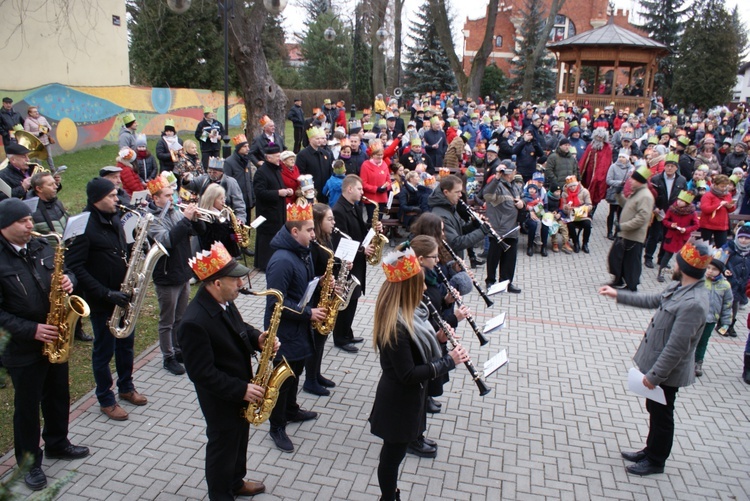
[410, 357]
[270, 196]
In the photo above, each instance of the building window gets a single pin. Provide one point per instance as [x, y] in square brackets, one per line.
[499, 41]
[564, 28]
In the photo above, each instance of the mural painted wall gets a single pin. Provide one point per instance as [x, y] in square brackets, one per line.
[82, 117]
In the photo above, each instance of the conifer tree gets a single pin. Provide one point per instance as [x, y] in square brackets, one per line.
[532, 29]
[427, 67]
[326, 62]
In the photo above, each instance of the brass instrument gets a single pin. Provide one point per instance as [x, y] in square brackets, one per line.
[32, 143]
[330, 301]
[207, 215]
[37, 169]
[379, 240]
[64, 309]
[241, 230]
[135, 284]
[267, 376]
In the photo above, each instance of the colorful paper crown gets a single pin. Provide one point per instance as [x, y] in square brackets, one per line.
[573, 123]
[735, 178]
[315, 132]
[642, 174]
[207, 110]
[686, 196]
[169, 176]
[156, 184]
[416, 142]
[208, 262]
[400, 266]
[216, 163]
[128, 118]
[684, 140]
[665, 131]
[169, 123]
[300, 211]
[239, 139]
[326, 101]
[701, 184]
[17, 127]
[653, 140]
[434, 120]
[264, 120]
[672, 158]
[719, 255]
[693, 258]
[127, 154]
[571, 179]
[306, 182]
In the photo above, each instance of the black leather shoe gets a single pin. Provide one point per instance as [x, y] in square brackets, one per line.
[648, 264]
[576, 247]
[356, 340]
[428, 441]
[438, 404]
[529, 251]
[513, 289]
[644, 467]
[173, 366]
[431, 407]
[421, 449]
[610, 235]
[248, 252]
[476, 263]
[281, 439]
[35, 479]
[302, 416]
[82, 336]
[315, 388]
[69, 452]
[178, 357]
[544, 251]
[349, 347]
[585, 248]
[325, 382]
[633, 456]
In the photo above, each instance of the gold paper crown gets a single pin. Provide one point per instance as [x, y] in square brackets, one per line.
[127, 118]
[672, 158]
[571, 179]
[239, 138]
[264, 120]
[156, 184]
[686, 196]
[315, 132]
[401, 266]
[208, 262]
[300, 211]
[695, 257]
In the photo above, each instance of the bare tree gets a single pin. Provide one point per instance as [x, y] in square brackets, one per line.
[397, 27]
[541, 46]
[378, 9]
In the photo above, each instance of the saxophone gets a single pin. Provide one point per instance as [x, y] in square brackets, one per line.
[135, 284]
[379, 240]
[269, 377]
[345, 282]
[330, 301]
[242, 231]
[64, 309]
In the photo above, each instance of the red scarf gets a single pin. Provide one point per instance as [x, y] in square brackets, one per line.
[573, 196]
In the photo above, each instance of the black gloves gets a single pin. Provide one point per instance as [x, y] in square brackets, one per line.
[118, 298]
[382, 189]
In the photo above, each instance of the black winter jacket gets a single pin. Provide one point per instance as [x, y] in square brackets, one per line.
[318, 163]
[238, 167]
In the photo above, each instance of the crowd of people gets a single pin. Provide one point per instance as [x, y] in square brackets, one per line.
[466, 182]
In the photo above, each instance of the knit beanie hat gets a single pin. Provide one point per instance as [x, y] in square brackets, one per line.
[11, 210]
[98, 188]
[140, 140]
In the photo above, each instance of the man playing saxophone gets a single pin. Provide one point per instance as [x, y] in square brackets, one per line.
[26, 266]
[99, 259]
[217, 346]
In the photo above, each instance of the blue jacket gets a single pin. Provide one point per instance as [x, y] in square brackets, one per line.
[739, 265]
[289, 271]
[473, 130]
[332, 189]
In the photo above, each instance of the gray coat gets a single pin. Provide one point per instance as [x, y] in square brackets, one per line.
[667, 351]
[126, 138]
[502, 212]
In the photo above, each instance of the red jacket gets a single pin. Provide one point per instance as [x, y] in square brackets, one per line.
[714, 217]
[373, 177]
[674, 239]
[130, 180]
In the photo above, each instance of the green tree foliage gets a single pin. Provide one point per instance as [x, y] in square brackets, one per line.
[314, 8]
[326, 63]
[361, 65]
[739, 27]
[532, 29]
[706, 66]
[427, 67]
[494, 84]
[664, 21]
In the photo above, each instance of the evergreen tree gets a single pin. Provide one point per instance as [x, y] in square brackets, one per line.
[427, 67]
[706, 66]
[314, 8]
[664, 21]
[532, 29]
[739, 27]
[326, 63]
[494, 83]
[361, 69]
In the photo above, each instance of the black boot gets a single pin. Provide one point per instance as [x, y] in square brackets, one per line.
[530, 247]
[746, 370]
[731, 332]
[660, 276]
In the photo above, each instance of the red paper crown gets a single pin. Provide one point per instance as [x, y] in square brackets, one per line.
[402, 266]
[156, 184]
[264, 120]
[300, 211]
[238, 139]
[694, 257]
[207, 263]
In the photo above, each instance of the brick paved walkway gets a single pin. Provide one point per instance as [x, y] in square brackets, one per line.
[552, 428]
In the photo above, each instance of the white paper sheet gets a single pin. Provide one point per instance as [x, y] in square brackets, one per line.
[5, 189]
[368, 238]
[76, 225]
[390, 200]
[129, 223]
[635, 384]
[498, 287]
[257, 222]
[347, 250]
[138, 197]
[32, 203]
[308, 293]
[495, 363]
[494, 323]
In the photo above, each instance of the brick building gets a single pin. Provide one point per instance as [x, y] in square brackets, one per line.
[576, 16]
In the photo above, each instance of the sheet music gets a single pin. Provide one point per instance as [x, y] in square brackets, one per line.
[390, 199]
[495, 363]
[138, 197]
[308, 293]
[347, 250]
[32, 203]
[257, 222]
[368, 238]
[129, 224]
[635, 384]
[494, 323]
[498, 287]
[76, 225]
[6, 189]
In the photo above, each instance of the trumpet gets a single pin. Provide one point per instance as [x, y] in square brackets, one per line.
[207, 215]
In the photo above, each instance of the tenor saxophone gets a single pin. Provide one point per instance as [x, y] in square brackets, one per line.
[379, 240]
[64, 309]
[242, 231]
[330, 301]
[268, 377]
[135, 284]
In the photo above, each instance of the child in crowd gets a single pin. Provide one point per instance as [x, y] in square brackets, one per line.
[332, 188]
[738, 270]
[144, 163]
[553, 205]
[535, 206]
[679, 223]
[719, 305]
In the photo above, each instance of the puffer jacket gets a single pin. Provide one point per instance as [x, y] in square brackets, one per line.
[560, 165]
[739, 264]
[720, 299]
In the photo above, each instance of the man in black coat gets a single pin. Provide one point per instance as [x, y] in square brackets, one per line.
[237, 166]
[317, 161]
[217, 347]
[668, 185]
[297, 116]
[9, 118]
[209, 133]
[270, 191]
[268, 137]
[348, 213]
[25, 274]
[16, 174]
[99, 258]
[416, 156]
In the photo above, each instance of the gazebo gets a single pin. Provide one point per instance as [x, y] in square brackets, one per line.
[613, 58]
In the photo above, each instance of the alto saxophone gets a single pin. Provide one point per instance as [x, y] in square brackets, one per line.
[379, 240]
[242, 231]
[268, 377]
[346, 283]
[330, 301]
[135, 284]
[64, 309]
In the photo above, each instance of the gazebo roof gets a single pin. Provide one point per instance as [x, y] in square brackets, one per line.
[609, 34]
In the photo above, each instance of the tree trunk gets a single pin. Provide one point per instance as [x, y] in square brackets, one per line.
[528, 77]
[378, 57]
[262, 94]
[480, 59]
[399, 6]
[446, 40]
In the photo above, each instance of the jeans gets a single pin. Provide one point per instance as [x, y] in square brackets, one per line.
[531, 226]
[106, 345]
[173, 301]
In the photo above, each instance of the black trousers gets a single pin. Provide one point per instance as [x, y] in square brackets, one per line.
[719, 236]
[46, 384]
[286, 405]
[504, 259]
[391, 456]
[299, 133]
[575, 228]
[205, 154]
[661, 427]
[655, 232]
[313, 363]
[342, 331]
[226, 458]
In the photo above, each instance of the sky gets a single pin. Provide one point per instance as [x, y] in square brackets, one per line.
[474, 9]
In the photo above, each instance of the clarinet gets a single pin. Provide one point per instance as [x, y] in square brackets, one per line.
[487, 228]
[482, 340]
[461, 263]
[483, 389]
